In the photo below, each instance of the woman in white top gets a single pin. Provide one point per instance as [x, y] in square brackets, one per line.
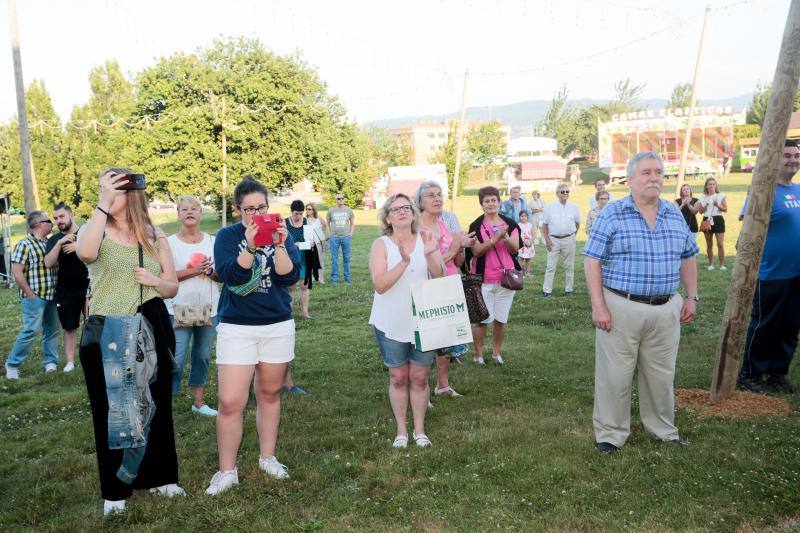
[319, 226]
[193, 253]
[401, 257]
[537, 208]
[712, 205]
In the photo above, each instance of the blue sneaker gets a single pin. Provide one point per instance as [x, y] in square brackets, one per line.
[294, 389]
[204, 410]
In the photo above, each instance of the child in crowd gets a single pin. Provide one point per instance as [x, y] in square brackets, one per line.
[527, 251]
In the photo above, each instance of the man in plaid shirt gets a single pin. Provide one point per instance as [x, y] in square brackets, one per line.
[36, 285]
[639, 250]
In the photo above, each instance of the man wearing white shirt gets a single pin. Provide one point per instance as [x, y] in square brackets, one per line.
[559, 225]
[599, 185]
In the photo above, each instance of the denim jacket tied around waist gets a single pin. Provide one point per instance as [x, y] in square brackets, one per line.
[129, 356]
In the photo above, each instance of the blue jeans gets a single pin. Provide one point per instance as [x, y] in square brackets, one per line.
[201, 353]
[37, 313]
[336, 243]
[396, 354]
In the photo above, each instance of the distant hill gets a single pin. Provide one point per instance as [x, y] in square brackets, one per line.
[522, 116]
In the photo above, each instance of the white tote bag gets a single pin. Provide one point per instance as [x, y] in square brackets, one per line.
[440, 314]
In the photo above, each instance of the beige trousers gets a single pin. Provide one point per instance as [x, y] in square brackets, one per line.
[562, 248]
[646, 336]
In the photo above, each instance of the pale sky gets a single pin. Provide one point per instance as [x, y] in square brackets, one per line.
[390, 59]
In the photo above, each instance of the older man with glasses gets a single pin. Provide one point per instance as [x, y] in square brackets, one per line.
[36, 284]
[559, 226]
[341, 222]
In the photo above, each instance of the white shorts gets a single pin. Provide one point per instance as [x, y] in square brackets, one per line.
[498, 301]
[250, 345]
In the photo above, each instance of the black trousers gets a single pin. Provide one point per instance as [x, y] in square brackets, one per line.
[774, 325]
[160, 463]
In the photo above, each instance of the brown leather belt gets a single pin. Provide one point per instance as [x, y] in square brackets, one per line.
[561, 236]
[649, 300]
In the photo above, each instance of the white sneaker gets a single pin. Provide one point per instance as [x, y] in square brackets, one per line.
[12, 372]
[498, 359]
[710, 267]
[50, 367]
[272, 467]
[69, 367]
[723, 268]
[222, 481]
[168, 490]
[113, 506]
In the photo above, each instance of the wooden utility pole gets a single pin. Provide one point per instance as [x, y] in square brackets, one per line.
[759, 209]
[22, 115]
[34, 183]
[224, 178]
[687, 139]
[459, 140]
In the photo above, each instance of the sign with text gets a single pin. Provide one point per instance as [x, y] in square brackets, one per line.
[440, 314]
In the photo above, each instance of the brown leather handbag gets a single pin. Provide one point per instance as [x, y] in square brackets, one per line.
[512, 279]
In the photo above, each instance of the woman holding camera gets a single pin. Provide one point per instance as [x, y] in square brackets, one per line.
[116, 240]
[256, 332]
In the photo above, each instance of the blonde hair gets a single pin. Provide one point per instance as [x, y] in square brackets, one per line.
[189, 198]
[383, 214]
[313, 208]
[136, 215]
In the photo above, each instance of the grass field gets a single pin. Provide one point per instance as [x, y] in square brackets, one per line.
[516, 452]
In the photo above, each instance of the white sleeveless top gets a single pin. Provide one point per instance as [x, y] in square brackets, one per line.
[391, 311]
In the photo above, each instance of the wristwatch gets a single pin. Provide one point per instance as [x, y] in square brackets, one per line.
[694, 297]
[252, 251]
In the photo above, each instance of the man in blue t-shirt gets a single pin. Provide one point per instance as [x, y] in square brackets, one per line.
[775, 321]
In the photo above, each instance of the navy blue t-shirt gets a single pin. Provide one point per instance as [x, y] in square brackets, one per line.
[271, 302]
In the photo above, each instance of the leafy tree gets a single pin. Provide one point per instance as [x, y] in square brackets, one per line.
[447, 156]
[758, 108]
[485, 142]
[47, 151]
[559, 120]
[681, 95]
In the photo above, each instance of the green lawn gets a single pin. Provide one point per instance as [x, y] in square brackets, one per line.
[516, 452]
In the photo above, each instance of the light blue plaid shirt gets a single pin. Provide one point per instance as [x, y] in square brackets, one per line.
[633, 257]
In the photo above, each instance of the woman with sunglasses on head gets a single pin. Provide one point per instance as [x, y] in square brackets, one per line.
[712, 205]
[401, 257]
[319, 227]
[256, 332]
[117, 239]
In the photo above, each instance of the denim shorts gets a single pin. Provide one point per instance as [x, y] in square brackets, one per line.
[396, 354]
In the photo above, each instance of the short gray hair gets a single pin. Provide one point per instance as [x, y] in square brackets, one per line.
[423, 188]
[34, 217]
[633, 161]
[561, 186]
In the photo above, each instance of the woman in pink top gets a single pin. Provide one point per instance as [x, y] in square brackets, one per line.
[498, 241]
[447, 231]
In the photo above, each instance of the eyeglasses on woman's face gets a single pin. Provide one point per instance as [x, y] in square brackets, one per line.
[400, 209]
[261, 210]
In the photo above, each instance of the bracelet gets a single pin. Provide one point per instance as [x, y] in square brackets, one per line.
[251, 251]
[106, 213]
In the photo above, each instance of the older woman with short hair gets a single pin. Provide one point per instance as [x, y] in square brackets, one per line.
[399, 258]
[193, 253]
[447, 231]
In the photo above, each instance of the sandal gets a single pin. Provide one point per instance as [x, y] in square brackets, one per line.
[447, 391]
[421, 440]
[400, 441]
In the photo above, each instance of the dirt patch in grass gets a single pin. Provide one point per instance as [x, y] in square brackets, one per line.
[783, 525]
[740, 405]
